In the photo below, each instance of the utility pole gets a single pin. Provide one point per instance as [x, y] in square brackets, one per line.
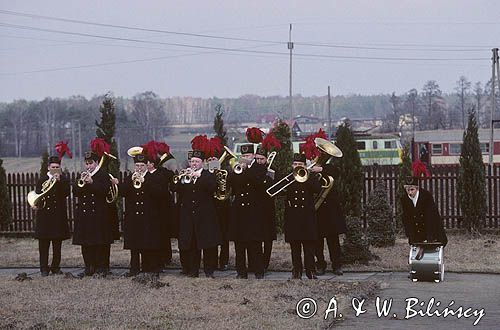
[73, 143]
[494, 59]
[290, 47]
[329, 115]
[80, 142]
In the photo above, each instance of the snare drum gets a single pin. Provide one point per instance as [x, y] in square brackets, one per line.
[430, 267]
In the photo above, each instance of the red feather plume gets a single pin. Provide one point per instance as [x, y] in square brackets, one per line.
[213, 147]
[199, 142]
[309, 149]
[162, 148]
[419, 169]
[63, 149]
[270, 143]
[254, 135]
[149, 149]
[99, 146]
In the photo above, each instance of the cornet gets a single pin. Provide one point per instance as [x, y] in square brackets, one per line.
[185, 176]
[138, 179]
[238, 166]
[83, 178]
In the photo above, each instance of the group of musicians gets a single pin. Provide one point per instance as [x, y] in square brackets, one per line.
[161, 204]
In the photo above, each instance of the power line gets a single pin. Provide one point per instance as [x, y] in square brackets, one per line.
[237, 50]
[13, 13]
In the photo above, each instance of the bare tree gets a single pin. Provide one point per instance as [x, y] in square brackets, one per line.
[434, 105]
[149, 113]
[16, 113]
[478, 97]
[463, 92]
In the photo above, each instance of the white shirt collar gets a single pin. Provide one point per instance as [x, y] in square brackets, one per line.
[49, 175]
[154, 170]
[415, 199]
[95, 170]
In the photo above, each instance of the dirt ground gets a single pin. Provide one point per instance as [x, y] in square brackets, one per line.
[57, 302]
[462, 254]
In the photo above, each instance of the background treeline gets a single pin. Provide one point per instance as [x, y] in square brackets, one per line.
[27, 128]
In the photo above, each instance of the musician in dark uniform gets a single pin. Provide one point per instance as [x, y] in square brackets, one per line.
[246, 225]
[301, 227]
[198, 228]
[421, 219]
[265, 203]
[92, 226]
[165, 176]
[144, 225]
[331, 223]
[51, 224]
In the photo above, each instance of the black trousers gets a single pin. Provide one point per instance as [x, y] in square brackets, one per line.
[255, 257]
[192, 259]
[166, 253]
[224, 254]
[94, 257]
[334, 250]
[136, 264]
[296, 247]
[43, 250]
[268, 247]
[107, 255]
[147, 261]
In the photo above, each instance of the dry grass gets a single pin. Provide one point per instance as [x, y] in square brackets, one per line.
[57, 302]
[461, 254]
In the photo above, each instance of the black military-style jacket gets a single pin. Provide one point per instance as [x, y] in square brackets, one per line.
[266, 204]
[423, 222]
[92, 223]
[144, 223]
[52, 220]
[246, 221]
[331, 219]
[198, 220]
[168, 212]
[300, 215]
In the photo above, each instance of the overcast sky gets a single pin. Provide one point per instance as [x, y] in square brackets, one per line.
[361, 47]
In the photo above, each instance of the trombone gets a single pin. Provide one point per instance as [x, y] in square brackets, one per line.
[300, 173]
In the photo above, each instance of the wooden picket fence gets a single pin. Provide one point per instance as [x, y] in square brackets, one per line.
[442, 184]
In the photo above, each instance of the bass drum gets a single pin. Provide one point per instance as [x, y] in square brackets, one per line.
[430, 267]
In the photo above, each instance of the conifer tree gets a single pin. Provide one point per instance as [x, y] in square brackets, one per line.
[350, 186]
[5, 204]
[44, 164]
[404, 171]
[106, 130]
[282, 164]
[378, 212]
[471, 179]
[219, 129]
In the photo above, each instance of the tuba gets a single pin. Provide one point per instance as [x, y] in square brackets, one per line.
[300, 173]
[35, 199]
[221, 175]
[112, 195]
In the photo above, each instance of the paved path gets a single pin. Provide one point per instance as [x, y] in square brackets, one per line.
[474, 291]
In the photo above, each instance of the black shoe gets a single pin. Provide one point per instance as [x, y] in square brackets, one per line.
[194, 275]
[320, 271]
[44, 273]
[131, 273]
[184, 272]
[296, 275]
[209, 275]
[56, 271]
[310, 275]
[223, 268]
[83, 274]
[338, 271]
[242, 276]
[259, 276]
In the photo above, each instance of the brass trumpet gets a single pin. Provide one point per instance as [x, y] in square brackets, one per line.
[238, 166]
[83, 178]
[184, 176]
[138, 179]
